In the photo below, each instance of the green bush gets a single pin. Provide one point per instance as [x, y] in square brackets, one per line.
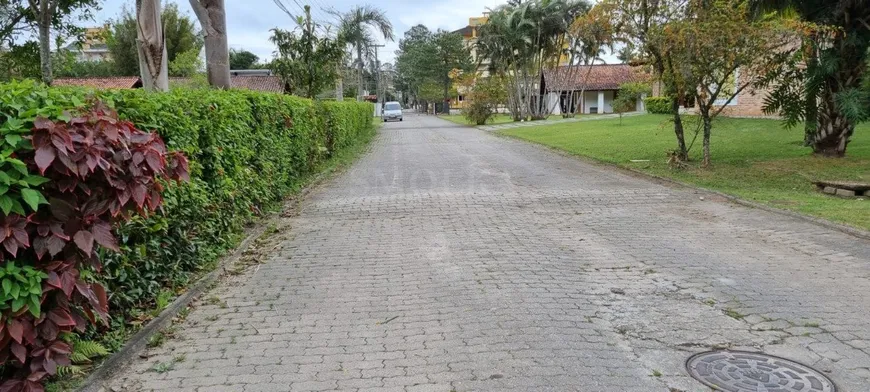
[657, 105]
[485, 96]
[95, 172]
[247, 151]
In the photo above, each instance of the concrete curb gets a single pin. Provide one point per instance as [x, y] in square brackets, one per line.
[139, 341]
[853, 231]
[120, 359]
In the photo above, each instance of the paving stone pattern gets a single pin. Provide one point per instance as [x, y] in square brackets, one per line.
[451, 259]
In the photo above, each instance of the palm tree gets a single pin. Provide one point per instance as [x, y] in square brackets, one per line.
[831, 67]
[521, 40]
[355, 29]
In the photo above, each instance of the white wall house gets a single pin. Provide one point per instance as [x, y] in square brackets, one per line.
[93, 47]
[599, 84]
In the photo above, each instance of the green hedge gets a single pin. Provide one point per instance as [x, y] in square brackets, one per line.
[658, 105]
[247, 151]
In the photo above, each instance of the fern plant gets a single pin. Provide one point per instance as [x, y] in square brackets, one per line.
[85, 350]
[83, 353]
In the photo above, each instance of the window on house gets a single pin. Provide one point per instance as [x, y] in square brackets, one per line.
[727, 90]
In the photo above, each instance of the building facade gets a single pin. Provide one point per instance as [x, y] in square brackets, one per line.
[470, 34]
[93, 48]
[747, 103]
[588, 89]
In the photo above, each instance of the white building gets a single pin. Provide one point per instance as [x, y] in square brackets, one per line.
[93, 48]
[599, 84]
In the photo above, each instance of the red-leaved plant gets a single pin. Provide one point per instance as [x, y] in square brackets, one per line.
[100, 170]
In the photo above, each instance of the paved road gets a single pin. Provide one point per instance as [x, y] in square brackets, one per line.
[450, 259]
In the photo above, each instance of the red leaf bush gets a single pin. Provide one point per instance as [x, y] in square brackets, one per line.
[100, 171]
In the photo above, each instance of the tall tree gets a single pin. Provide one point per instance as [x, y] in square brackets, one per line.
[426, 58]
[122, 42]
[724, 50]
[412, 59]
[242, 59]
[589, 34]
[642, 24]
[355, 30]
[523, 39]
[45, 14]
[153, 61]
[212, 16]
[180, 32]
[450, 54]
[831, 68]
[305, 61]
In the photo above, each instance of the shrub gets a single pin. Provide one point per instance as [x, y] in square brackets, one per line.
[93, 170]
[485, 96]
[246, 151]
[658, 105]
[478, 113]
[627, 96]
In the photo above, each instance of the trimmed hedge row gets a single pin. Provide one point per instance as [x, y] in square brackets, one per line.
[658, 105]
[247, 151]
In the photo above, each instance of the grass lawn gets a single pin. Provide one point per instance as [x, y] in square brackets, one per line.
[755, 159]
[460, 119]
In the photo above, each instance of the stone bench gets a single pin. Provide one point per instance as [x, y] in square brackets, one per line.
[844, 188]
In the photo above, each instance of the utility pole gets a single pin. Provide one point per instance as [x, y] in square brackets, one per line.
[378, 78]
[377, 73]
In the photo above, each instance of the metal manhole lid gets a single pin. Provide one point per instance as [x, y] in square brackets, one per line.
[743, 371]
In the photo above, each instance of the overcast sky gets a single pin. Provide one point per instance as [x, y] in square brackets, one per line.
[249, 21]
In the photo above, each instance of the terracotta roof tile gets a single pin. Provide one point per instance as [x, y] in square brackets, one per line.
[101, 83]
[258, 83]
[272, 84]
[601, 77]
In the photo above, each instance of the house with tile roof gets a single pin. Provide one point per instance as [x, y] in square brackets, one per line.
[598, 83]
[271, 83]
[265, 83]
[113, 82]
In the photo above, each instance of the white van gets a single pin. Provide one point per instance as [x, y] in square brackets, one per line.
[392, 111]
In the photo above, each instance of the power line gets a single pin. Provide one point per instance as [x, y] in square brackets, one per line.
[318, 23]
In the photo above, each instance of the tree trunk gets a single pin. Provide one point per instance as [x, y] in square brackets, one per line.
[833, 131]
[445, 106]
[359, 74]
[682, 153]
[152, 47]
[44, 24]
[705, 115]
[213, 18]
[339, 90]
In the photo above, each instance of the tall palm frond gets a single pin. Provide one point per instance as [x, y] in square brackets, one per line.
[355, 29]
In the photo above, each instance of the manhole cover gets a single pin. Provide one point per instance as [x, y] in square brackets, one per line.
[741, 371]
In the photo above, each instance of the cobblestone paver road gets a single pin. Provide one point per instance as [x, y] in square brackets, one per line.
[449, 259]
